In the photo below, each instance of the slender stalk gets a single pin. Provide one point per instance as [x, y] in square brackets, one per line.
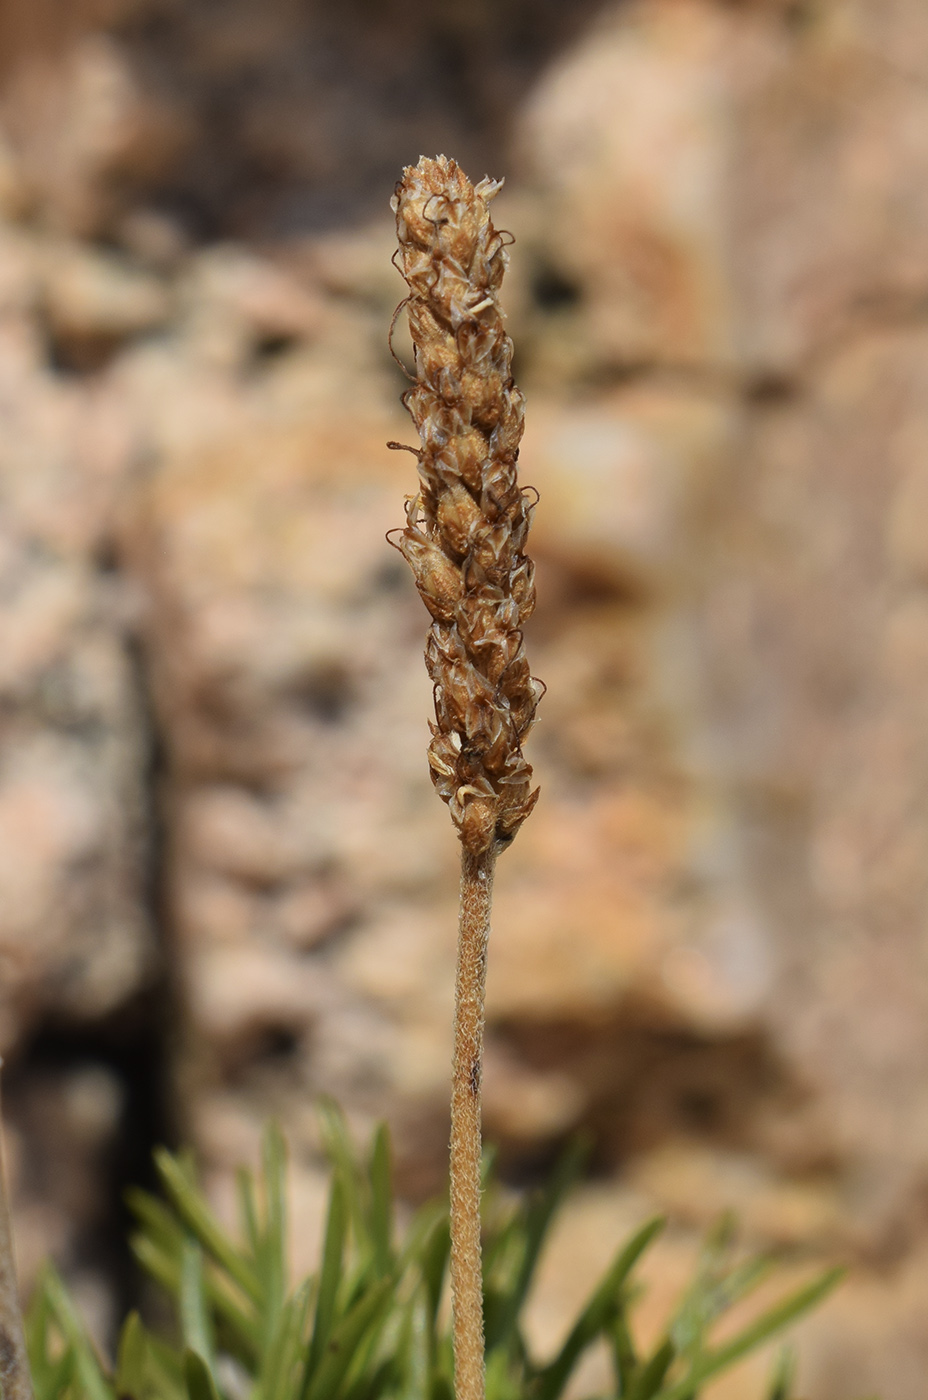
[466, 1271]
[15, 1380]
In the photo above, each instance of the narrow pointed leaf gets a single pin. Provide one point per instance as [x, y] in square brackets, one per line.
[196, 1326]
[130, 1358]
[538, 1217]
[381, 1201]
[624, 1358]
[165, 1369]
[345, 1339]
[282, 1356]
[199, 1381]
[341, 1154]
[166, 1272]
[647, 1383]
[757, 1332]
[329, 1277]
[156, 1221]
[434, 1264]
[271, 1252]
[54, 1381]
[600, 1309]
[781, 1381]
[713, 1292]
[373, 1383]
[197, 1216]
[248, 1208]
[88, 1371]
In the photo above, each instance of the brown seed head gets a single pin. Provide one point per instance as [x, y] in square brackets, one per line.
[466, 529]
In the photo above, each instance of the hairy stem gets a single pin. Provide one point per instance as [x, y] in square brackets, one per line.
[15, 1380]
[466, 1270]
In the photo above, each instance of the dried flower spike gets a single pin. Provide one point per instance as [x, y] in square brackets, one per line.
[465, 539]
[466, 528]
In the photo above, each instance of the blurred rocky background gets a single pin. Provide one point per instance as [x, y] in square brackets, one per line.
[225, 883]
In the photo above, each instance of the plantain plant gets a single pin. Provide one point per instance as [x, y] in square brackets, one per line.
[465, 537]
[371, 1322]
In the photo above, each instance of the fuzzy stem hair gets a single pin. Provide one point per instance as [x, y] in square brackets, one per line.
[466, 1268]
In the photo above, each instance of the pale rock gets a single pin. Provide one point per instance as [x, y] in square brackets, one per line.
[228, 831]
[893, 32]
[626, 140]
[90, 294]
[697, 1185]
[85, 133]
[154, 238]
[18, 269]
[623, 479]
[829, 168]
[579, 928]
[73, 925]
[14, 195]
[870, 1333]
[234, 302]
[816, 702]
[524, 1106]
[236, 993]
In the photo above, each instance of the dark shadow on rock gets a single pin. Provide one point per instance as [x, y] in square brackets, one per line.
[305, 114]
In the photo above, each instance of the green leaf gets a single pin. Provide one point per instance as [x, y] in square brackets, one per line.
[330, 1276]
[373, 1382]
[146, 1368]
[157, 1222]
[165, 1370]
[54, 1380]
[624, 1358]
[442, 1387]
[191, 1206]
[248, 1208]
[504, 1248]
[433, 1263]
[340, 1151]
[195, 1321]
[157, 1263]
[130, 1358]
[198, 1379]
[280, 1366]
[538, 1216]
[501, 1384]
[271, 1254]
[650, 1378]
[488, 1157]
[414, 1351]
[166, 1271]
[87, 1369]
[381, 1201]
[378, 1328]
[38, 1320]
[781, 1381]
[600, 1309]
[715, 1289]
[365, 1316]
[53, 1370]
[756, 1333]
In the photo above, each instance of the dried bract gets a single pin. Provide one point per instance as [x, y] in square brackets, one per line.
[466, 529]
